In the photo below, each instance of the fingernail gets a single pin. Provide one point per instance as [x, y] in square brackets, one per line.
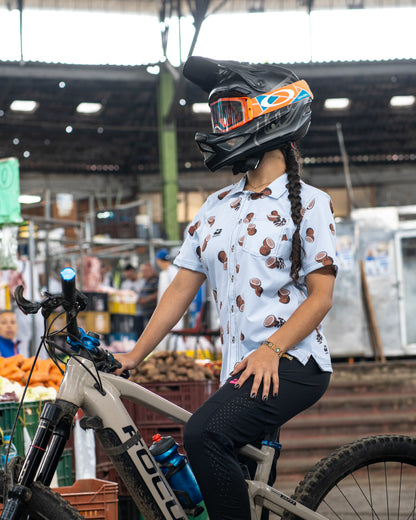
[275, 395]
[253, 395]
[264, 397]
[236, 385]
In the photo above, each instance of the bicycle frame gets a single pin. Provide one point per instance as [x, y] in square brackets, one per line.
[121, 439]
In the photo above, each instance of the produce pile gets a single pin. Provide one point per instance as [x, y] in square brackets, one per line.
[14, 372]
[171, 366]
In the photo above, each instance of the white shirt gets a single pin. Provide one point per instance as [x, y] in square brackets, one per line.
[242, 242]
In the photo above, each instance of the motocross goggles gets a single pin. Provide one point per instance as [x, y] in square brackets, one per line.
[233, 112]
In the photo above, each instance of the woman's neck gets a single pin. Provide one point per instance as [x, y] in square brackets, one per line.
[270, 168]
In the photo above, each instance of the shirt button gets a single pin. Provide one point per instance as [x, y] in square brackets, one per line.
[240, 221]
[232, 308]
[233, 339]
[232, 248]
[232, 278]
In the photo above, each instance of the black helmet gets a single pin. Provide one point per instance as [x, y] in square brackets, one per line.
[254, 109]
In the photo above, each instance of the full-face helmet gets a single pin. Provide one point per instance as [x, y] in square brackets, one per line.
[254, 109]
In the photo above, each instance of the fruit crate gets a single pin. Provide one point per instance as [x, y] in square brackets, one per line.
[29, 417]
[189, 395]
[94, 498]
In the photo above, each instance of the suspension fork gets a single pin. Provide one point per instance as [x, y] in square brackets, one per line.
[55, 422]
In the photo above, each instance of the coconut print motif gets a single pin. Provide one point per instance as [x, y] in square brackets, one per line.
[261, 194]
[272, 321]
[242, 336]
[248, 218]
[311, 204]
[332, 228]
[310, 235]
[273, 262]
[276, 218]
[211, 220]
[240, 303]
[283, 295]
[323, 258]
[241, 240]
[214, 293]
[223, 194]
[331, 207]
[204, 245]
[222, 335]
[194, 227]
[251, 229]
[222, 257]
[236, 204]
[268, 245]
[198, 252]
[255, 284]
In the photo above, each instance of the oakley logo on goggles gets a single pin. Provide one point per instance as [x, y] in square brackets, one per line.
[230, 113]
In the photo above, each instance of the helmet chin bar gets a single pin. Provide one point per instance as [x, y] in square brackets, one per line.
[250, 163]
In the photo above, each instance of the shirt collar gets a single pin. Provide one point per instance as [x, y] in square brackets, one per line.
[277, 187]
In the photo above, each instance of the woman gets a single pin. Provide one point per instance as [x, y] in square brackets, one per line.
[267, 247]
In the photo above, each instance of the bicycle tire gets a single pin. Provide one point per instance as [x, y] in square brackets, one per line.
[373, 478]
[44, 504]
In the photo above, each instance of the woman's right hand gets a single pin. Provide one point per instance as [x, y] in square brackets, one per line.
[127, 361]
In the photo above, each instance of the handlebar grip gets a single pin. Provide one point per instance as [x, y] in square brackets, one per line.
[70, 297]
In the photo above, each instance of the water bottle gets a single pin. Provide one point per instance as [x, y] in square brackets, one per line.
[177, 471]
[3, 450]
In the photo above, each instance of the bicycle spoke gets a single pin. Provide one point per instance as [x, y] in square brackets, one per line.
[387, 491]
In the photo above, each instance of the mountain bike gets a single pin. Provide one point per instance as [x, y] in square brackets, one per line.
[371, 478]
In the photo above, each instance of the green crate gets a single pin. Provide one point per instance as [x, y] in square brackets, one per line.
[29, 417]
[64, 470]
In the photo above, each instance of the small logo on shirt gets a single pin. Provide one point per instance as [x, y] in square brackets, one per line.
[217, 232]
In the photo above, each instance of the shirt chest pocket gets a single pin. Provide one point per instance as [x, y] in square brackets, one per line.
[263, 237]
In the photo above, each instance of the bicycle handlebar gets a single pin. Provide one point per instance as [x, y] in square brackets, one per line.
[69, 300]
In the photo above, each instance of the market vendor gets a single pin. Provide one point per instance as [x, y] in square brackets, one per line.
[8, 333]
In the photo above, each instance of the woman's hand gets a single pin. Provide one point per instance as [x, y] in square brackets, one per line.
[263, 363]
[127, 361]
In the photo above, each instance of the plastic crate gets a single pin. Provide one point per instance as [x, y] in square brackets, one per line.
[127, 509]
[94, 498]
[64, 470]
[29, 417]
[189, 395]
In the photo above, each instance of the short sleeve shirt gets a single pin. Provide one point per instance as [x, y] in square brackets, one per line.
[242, 242]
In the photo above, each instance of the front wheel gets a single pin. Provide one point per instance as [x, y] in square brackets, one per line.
[373, 478]
[43, 504]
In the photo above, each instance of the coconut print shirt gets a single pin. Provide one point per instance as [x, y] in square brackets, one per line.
[242, 241]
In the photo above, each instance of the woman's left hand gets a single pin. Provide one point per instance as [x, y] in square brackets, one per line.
[263, 364]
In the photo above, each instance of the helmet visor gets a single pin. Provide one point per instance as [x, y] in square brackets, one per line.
[232, 112]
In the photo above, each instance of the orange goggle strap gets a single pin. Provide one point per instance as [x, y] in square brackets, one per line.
[261, 104]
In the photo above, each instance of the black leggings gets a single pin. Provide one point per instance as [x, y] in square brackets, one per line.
[230, 419]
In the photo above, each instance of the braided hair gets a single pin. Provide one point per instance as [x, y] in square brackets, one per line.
[292, 156]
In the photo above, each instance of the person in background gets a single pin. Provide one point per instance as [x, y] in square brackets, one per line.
[167, 273]
[134, 282]
[148, 293]
[267, 246]
[8, 333]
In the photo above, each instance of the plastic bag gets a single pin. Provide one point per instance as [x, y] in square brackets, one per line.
[8, 247]
[85, 459]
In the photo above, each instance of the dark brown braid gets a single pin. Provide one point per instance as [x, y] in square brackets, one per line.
[292, 155]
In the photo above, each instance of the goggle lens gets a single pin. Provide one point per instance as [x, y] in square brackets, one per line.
[227, 114]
